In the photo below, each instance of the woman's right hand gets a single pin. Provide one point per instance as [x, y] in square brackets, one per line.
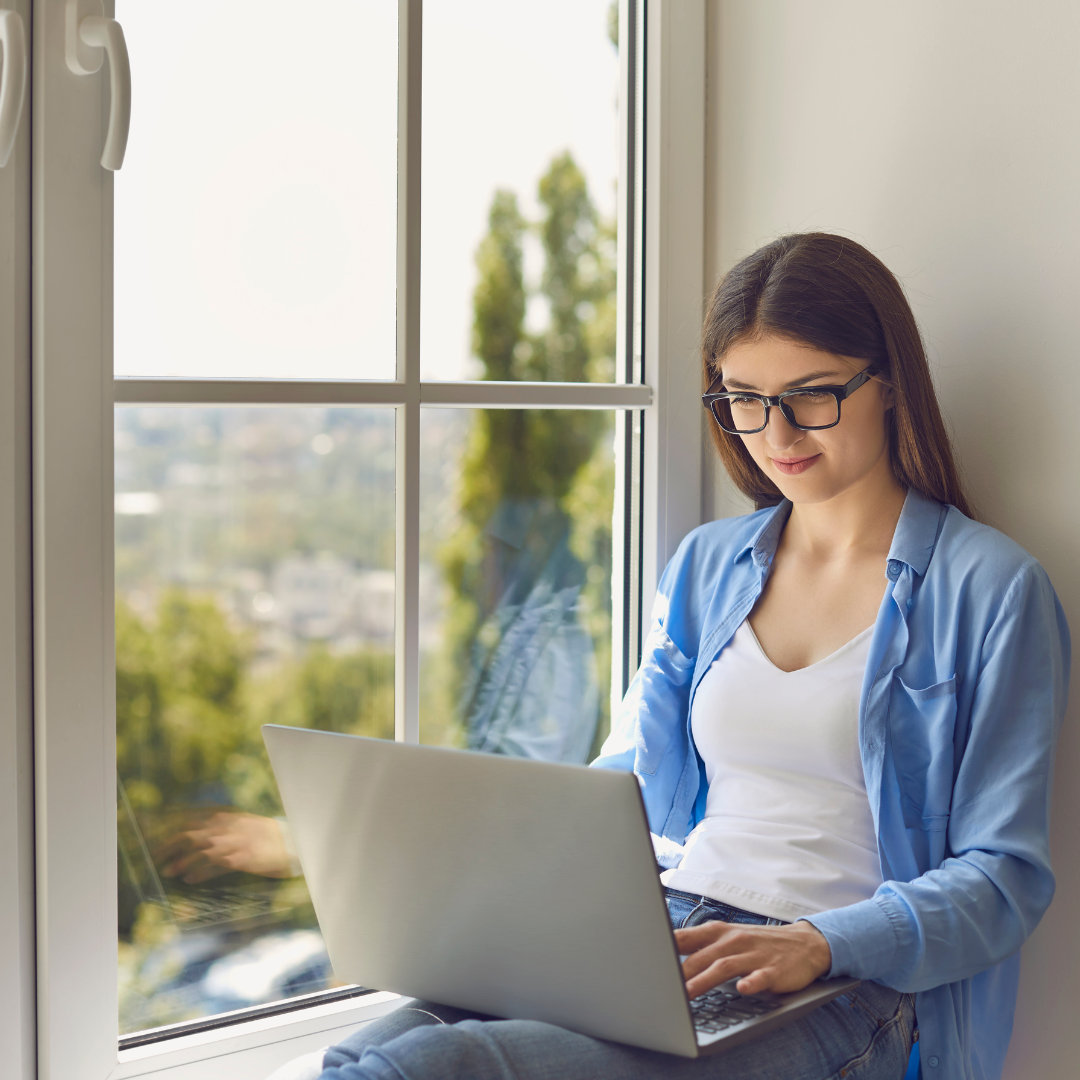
[776, 958]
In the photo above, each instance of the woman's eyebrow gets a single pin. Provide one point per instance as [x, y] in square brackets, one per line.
[734, 384]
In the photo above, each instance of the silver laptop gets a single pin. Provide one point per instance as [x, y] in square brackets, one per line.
[504, 886]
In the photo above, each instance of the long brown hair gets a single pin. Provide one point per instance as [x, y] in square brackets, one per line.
[830, 293]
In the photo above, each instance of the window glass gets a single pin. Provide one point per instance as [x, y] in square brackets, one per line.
[255, 220]
[254, 584]
[519, 178]
[255, 546]
[516, 635]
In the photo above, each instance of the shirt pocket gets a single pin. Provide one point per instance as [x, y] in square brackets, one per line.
[922, 723]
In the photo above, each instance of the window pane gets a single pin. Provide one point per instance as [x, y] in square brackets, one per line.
[255, 584]
[519, 176]
[516, 512]
[255, 213]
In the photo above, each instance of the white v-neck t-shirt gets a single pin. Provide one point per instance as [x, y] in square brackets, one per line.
[787, 830]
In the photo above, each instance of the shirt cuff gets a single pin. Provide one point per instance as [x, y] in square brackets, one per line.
[864, 940]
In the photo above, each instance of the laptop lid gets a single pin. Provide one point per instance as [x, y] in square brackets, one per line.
[510, 887]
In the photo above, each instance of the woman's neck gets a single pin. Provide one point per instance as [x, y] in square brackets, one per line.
[856, 525]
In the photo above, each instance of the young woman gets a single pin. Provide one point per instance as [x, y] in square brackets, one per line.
[843, 723]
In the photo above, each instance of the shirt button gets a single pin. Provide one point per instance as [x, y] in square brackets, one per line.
[933, 1062]
[892, 569]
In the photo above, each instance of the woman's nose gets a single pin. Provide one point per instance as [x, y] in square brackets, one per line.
[779, 432]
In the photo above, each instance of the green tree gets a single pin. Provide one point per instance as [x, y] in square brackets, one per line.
[350, 692]
[180, 689]
[189, 710]
[555, 462]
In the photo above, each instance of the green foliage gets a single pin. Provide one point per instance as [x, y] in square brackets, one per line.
[499, 297]
[190, 702]
[189, 708]
[179, 691]
[556, 459]
[350, 692]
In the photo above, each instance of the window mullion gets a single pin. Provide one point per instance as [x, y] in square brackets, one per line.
[473, 394]
[407, 544]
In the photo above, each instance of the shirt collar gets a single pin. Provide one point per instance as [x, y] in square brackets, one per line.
[912, 543]
[765, 539]
[917, 531]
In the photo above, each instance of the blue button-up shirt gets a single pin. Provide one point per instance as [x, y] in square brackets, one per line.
[961, 702]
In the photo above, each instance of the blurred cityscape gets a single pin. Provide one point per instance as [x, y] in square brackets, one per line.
[284, 515]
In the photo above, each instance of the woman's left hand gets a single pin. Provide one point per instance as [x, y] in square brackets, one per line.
[207, 845]
[776, 958]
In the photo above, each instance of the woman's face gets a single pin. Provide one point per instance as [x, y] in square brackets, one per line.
[813, 466]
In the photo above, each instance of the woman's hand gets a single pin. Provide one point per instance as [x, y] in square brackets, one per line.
[208, 845]
[777, 958]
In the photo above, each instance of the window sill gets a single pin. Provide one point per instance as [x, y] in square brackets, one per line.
[254, 1047]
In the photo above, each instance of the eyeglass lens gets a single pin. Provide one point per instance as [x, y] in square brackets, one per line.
[804, 409]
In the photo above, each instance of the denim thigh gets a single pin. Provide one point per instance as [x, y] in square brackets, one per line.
[861, 1036]
[865, 1034]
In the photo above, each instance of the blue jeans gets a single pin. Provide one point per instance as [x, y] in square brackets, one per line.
[863, 1035]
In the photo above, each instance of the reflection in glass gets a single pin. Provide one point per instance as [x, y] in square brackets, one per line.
[519, 654]
[255, 584]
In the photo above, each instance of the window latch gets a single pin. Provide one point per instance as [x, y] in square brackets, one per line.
[90, 37]
[12, 80]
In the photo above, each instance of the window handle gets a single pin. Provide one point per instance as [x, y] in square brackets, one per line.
[90, 37]
[12, 80]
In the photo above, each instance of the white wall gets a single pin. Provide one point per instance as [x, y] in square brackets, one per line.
[945, 136]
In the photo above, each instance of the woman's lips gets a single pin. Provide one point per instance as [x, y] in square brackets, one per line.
[794, 466]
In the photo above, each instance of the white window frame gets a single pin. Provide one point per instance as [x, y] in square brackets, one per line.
[17, 1033]
[73, 400]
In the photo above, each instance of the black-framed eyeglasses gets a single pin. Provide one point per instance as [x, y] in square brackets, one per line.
[808, 408]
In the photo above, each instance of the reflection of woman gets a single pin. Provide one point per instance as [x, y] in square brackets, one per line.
[531, 688]
[843, 722]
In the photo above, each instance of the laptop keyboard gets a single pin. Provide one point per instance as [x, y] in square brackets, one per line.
[724, 1007]
[197, 909]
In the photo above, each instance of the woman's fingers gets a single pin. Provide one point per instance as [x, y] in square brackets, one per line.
[717, 973]
[715, 952]
[706, 943]
[776, 958]
[692, 938]
[223, 842]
